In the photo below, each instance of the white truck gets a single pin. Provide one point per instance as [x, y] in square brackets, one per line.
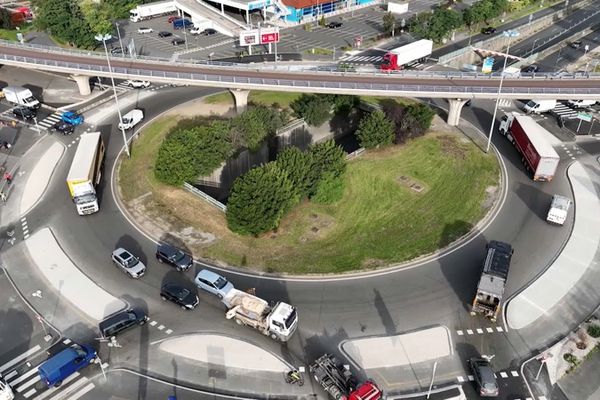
[151, 10]
[394, 59]
[539, 106]
[85, 173]
[279, 322]
[6, 392]
[20, 96]
[559, 208]
[131, 119]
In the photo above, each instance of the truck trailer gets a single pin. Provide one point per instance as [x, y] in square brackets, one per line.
[529, 138]
[339, 382]
[394, 59]
[279, 322]
[20, 96]
[490, 288]
[85, 173]
[151, 10]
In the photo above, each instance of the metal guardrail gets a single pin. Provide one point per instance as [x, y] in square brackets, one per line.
[205, 197]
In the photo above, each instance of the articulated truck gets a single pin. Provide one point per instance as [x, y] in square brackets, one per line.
[85, 173]
[279, 322]
[396, 58]
[339, 382]
[529, 138]
[490, 288]
[151, 10]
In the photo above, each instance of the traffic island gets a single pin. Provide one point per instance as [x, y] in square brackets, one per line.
[399, 203]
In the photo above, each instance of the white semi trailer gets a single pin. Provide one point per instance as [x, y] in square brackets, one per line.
[151, 10]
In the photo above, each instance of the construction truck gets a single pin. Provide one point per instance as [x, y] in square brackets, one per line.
[85, 172]
[279, 322]
[493, 280]
[338, 381]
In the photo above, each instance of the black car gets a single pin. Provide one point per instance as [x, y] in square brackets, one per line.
[576, 44]
[116, 50]
[531, 69]
[63, 127]
[209, 32]
[164, 34]
[488, 30]
[177, 41]
[172, 255]
[335, 24]
[122, 321]
[484, 377]
[179, 295]
[23, 112]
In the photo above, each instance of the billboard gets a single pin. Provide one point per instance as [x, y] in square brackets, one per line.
[269, 35]
[488, 63]
[259, 36]
[249, 38]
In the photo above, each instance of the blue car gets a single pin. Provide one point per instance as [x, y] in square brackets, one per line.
[72, 118]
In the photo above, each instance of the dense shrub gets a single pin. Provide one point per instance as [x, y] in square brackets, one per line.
[315, 109]
[329, 189]
[297, 164]
[326, 158]
[593, 330]
[254, 125]
[374, 130]
[259, 199]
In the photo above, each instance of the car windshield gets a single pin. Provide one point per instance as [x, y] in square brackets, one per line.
[289, 321]
[177, 256]
[84, 199]
[80, 352]
[221, 282]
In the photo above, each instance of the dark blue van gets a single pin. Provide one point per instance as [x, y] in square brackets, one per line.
[60, 366]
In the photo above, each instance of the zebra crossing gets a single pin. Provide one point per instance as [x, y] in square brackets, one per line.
[564, 111]
[48, 122]
[371, 59]
[25, 381]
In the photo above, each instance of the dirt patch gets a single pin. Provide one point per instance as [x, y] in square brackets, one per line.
[412, 184]
[373, 263]
[319, 226]
[451, 147]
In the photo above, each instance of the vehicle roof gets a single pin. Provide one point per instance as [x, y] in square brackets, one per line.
[84, 155]
[537, 135]
[497, 260]
[208, 275]
[120, 316]
[58, 360]
[122, 253]
[561, 202]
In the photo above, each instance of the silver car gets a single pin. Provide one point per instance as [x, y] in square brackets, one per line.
[213, 283]
[129, 263]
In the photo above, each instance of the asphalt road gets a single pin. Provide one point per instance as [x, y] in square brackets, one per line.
[567, 55]
[437, 292]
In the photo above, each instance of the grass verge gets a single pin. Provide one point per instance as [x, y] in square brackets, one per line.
[379, 221]
[257, 96]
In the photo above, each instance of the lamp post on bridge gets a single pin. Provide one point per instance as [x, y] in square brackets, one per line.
[509, 34]
[103, 39]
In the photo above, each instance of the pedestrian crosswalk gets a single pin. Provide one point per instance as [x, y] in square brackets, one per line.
[48, 122]
[564, 111]
[21, 374]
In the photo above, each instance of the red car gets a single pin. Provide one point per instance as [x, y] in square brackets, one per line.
[172, 18]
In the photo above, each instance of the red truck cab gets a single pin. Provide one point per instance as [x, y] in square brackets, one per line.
[390, 62]
[366, 391]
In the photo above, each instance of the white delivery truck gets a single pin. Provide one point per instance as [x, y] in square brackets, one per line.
[85, 173]
[20, 96]
[6, 392]
[279, 322]
[539, 106]
[151, 10]
[559, 208]
[394, 59]
[131, 119]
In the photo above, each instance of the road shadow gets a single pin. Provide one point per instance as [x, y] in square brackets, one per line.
[536, 200]
[386, 318]
[16, 331]
[132, 245]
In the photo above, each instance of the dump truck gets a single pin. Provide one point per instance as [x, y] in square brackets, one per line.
[20, 96]
[85, 173]
[339, 383]
[394, 59]
[490, 288]
[151, 10]
[559, 209]
[279, 321]
[538, 155]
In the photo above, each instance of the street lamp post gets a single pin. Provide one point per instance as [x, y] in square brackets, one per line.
[120, 41]
[533, 47]
[184, 28]
[103, 39]
[509, 34]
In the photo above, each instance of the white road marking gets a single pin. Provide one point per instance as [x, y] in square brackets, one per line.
[169, 331]
[153, 323]
[67, 341]
[29, 393]
[23, 377]
[20, 358]
[489, 330]
[503, 374]
[479, 330]
[514, 373]
[12, 373]
[160, 328]
[471, 378]
[29, 383]
[81, 392]
[460, 379]
[459, 333]
[469, 332]
[499, 329]
[52, 390]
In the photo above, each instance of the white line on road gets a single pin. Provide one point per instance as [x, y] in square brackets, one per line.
[29, 383]
[469, 332]
[514, 373]
[479, 330]
[9, 376]
[460, 333]
[489, 330]
[503, 374]
[23, 377]
[20, 357]
[160, 328]
[52, 390]
[29, 393]
[81, 392]
[460, 379]
[153, 323]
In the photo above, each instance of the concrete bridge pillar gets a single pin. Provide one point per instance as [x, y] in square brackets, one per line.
[240, 97]
[456, 106]
[83, 83]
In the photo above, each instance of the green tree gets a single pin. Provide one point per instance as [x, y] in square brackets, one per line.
[315, 109]
[419, 24]
[389, 22]
[259, 199]
[330, 189]
[210, 146]
[375, 130]
[468, 17]
[256, 124]
[422, 113]
[64, 20]
[97, 15]
[297, 164]
[5, 19]
[175, 162]
[442, 22]
[326, 158]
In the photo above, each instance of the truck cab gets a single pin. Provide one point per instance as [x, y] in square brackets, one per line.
[62, 365]
[283, 321]
[559, 209]
[84, 197]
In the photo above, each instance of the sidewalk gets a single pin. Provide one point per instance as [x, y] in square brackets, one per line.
[577, 257]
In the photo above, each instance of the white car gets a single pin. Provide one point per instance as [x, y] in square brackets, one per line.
[145, 30]
[128, 263]
[137, 84]
[196, 30]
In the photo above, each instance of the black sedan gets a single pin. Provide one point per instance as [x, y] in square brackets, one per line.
[177, 41]
[531, 69]
[179, 295]
[576, 44]
[165, 253]
[63, 127]
[335, 24]
[488, 30]
[24, 113]
[164, 34]
[209, 32]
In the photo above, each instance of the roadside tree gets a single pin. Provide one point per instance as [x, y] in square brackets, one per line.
[314, 109]
[297, 164]
[389, 22]
[327, 158]
[375, 130]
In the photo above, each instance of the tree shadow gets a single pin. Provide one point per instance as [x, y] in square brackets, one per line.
[130, 244]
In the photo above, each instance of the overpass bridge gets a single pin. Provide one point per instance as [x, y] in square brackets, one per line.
[457, 87]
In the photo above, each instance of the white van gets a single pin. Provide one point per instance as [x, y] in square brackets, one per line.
[131, 119]
[539, 106]
[581, 103]
[559, 208]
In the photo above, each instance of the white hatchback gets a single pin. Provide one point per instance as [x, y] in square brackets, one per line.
[137, 84]
[145, 30]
